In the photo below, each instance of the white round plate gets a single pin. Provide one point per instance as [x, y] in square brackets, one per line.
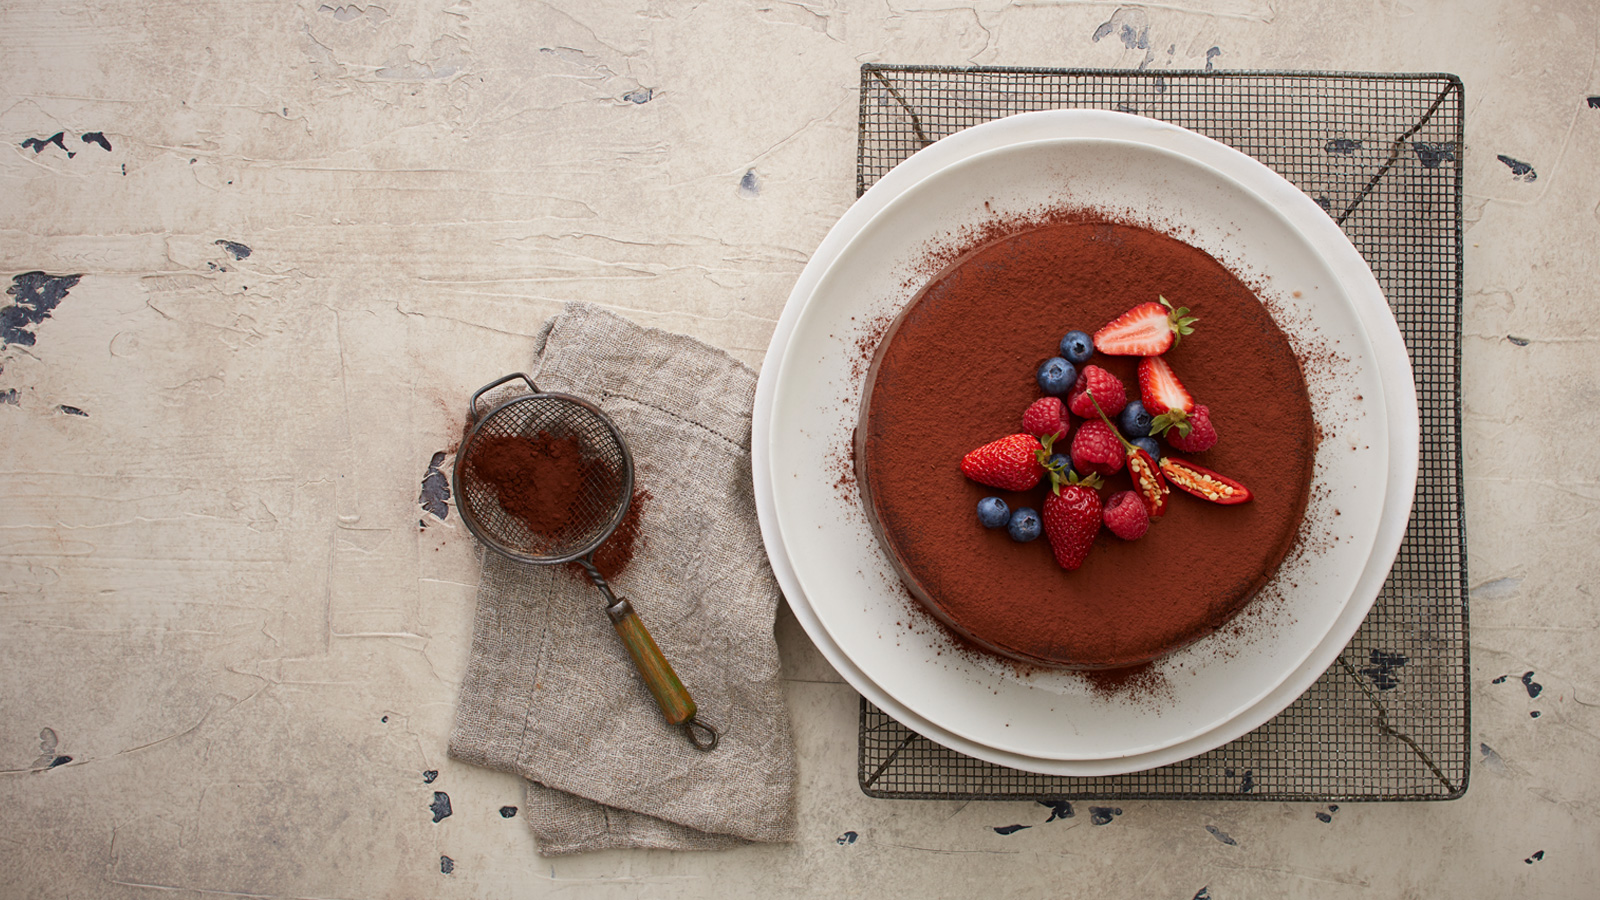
[836, 578]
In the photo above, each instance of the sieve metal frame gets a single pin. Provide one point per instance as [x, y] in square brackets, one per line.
[464, 502]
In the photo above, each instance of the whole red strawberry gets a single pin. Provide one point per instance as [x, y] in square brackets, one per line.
[1096, 448]
[1125, 516]
[1046, 417]
[1202, 434]
[1071, 520]
[1107, 388]
[1014, 463]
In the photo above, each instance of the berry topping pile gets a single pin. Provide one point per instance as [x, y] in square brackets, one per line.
[1117, 433]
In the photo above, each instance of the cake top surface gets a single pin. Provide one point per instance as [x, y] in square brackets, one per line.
[956, 371]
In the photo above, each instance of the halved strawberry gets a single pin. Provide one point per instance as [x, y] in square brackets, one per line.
[1160, 390]
[1203, 483]
[1142, 469]
[1013, 463]
[1149, 329]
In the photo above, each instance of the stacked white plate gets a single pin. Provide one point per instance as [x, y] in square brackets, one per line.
[839, 582]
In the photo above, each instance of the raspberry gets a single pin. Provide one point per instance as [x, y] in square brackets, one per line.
[1202, 434]
[1046, 417]
[1095, 448]
[1107, 388]
[1125, 516]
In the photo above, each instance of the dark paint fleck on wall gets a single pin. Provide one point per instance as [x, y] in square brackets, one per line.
[849, 837]
[1059, 809]
[59, 761]
[1102, 815]
[750, 185]
[446, 864]
[1385, 669]
[1519, 341]
[9, 396]
[234, 248]
[1534, 858]
[1323, 817]
[96, 137]
[429, 775]
[1211, 54]
[1341, 146]
[1500, 680]
[507, 812]
[1010, 829]
[1204, 894]
[72, 410]
[1594, 102]
[1520, 170]
[1222, 836]
[640, 95]
[36, 296]
[1432, 155]
[435, 496]
[440, 806]
[1534, 687]
[38, 144]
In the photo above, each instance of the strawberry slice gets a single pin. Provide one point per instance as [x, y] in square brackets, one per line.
[1013, 463]
[1163, 394]
[1142, 469]
[1203, 483]
[1149, 329]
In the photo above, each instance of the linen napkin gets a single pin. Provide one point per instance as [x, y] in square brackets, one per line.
[550, 692]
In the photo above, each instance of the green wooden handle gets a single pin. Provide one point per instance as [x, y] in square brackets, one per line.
[664, 685]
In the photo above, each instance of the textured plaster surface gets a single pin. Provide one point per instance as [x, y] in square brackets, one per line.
[304, 233]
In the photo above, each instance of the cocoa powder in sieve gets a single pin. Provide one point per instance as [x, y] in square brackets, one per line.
[537, 479]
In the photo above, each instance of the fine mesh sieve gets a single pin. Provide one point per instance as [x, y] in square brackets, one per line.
[565, 513]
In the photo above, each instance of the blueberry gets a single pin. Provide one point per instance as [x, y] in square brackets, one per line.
[1056, 376]
[1148, 445]
[1134, 420]
[1077, 347]
[993, 512]
[1024, 525]
[1059, 462]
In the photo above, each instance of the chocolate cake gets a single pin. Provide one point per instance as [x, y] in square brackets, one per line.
[956, 371]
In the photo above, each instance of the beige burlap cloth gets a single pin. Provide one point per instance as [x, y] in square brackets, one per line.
[551, 694]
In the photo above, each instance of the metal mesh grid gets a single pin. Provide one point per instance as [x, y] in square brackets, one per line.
[555, 425]
[1381, 153]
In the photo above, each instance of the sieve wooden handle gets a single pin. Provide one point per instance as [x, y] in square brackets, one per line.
[670, 694]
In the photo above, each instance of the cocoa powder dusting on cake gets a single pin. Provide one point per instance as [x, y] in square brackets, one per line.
[1073, 271]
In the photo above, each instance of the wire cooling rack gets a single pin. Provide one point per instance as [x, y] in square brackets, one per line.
[1391, 719]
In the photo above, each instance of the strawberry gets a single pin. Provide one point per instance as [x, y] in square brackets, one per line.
[1160, 388]
[1072, 519]
[1201, 435]
[1149, 329]
[1142, 469]
[1014, 463]
[1046, 417]
[1203, 483]
[1108, 392]
[1125, 516]
[1095, 448]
